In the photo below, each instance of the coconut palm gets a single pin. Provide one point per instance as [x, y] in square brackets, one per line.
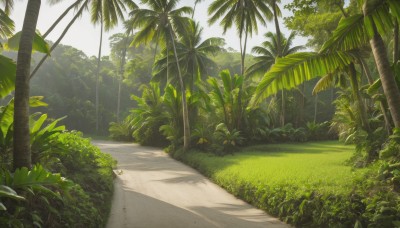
[375, 19]
[193, 55]
[274, 47]
[107, 13]
[119, 44]
[22, 150]
[195, 5]
[352, 33]
[163, 22]
[244, 15]
[270, 50]
[8, 5]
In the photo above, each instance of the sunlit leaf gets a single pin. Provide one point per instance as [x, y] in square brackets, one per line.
[39, 44]
[7, 75]
[294, 69]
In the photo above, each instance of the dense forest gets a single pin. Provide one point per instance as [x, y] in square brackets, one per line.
[164, 85]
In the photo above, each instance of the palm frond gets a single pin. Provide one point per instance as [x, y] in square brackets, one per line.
[292, 70]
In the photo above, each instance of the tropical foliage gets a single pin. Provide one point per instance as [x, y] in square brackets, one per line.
[165, 85]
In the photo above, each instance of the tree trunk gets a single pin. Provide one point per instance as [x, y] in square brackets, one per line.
[283, 108]
[277, 28]
[122, 72]
[22, 149]
[389, 85]
[60, 18]
[98, 75]
[59, 39]
[185, 111]
[388, 124]
[357, 96]
[396, 41]
[315, 108]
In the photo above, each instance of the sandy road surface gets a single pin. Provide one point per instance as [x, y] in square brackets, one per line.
[153, 190]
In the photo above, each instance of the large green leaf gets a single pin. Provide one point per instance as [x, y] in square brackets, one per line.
[294, 69]
[8, 192]
[38, 177]
[6, 25]
[7, 75]
[356, 31]
[39, 44]
[350, 34]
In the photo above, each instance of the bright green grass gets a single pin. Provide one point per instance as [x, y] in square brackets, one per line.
[316, 166]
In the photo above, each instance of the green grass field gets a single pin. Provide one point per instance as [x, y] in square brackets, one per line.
[317, 166]
[304, 184]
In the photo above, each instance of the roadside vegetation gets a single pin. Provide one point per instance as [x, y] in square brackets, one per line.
[308, 184]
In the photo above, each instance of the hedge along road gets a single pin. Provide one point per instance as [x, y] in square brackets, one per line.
[154, 190]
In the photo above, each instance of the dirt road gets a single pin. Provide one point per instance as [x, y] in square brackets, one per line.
[153, 190]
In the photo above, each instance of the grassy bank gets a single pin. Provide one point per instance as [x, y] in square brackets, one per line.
[304, 184]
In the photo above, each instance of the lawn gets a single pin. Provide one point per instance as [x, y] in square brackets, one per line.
[320, 166]
[304, 184]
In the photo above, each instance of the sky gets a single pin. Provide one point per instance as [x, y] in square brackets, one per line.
[85, 36]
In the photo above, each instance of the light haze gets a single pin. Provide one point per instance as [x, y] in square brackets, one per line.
[85, 36]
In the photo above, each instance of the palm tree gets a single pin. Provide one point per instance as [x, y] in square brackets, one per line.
[273, 48]
[195, 5]
[277, 13]
[352, 33]
[55, 44]
[22, 150]
[381, 58]
[8, 5]
[193, 55]
[107, 13]
[119, 46]
[244, 14]
[270, 50]
[163, 22]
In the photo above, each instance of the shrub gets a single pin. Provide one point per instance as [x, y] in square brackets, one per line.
[91, 169]
[121, 131]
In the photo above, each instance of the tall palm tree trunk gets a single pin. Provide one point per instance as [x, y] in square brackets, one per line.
[367, 71]
[22, 149]
[185, 111]
[98, 75]
[389, 85]
[277, 28]
[357, 96]
[315, 108]
[240, 109]
[122, 72]
[396, 42]
[60, 18]
[283, 111]
[279, 51]
[59, 39]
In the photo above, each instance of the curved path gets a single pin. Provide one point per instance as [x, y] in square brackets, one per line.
[153, 190]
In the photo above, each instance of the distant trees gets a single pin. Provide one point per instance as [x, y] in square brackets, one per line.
[164, 22]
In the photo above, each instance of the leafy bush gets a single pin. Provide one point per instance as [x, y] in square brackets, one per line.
[319, 131]
[121, 131]
[148, 117]
[32, 197]
[229, 140]
[91, 169]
